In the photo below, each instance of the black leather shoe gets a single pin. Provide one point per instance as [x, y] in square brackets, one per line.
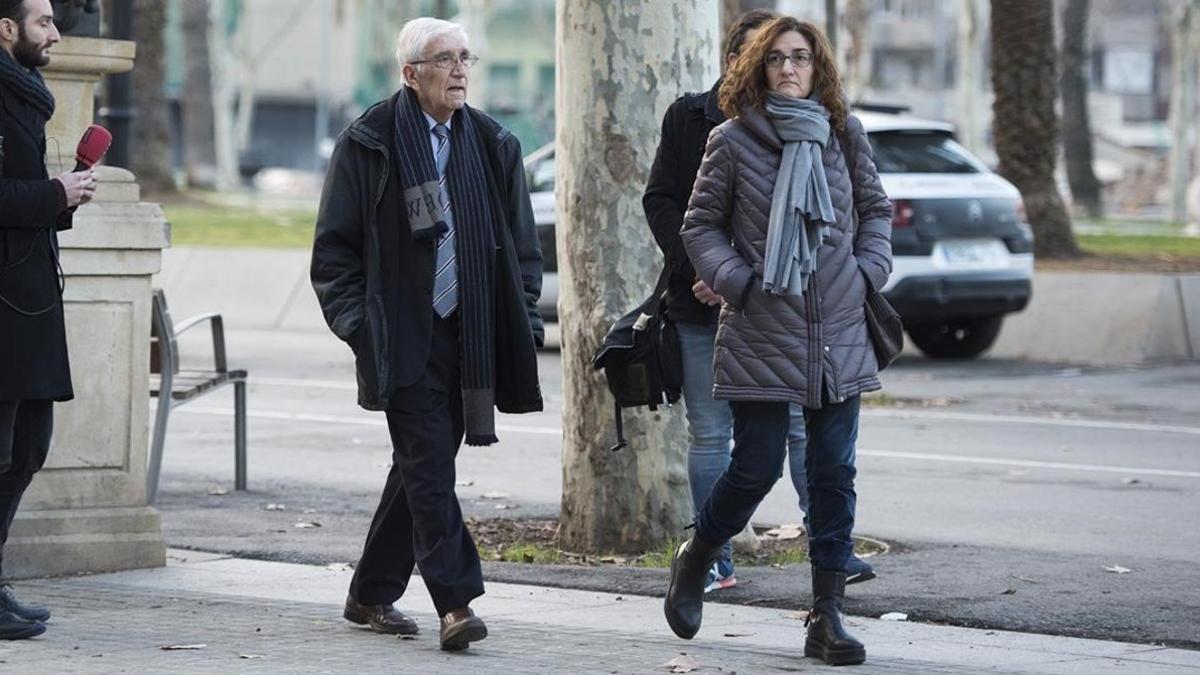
[381, 618]
[460, 627]
[684, 604]
[8, 601]
[827, 637]
[13, 627]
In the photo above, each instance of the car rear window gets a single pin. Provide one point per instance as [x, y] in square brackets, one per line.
[920, 152]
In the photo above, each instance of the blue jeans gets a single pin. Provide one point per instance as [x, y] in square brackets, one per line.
[710, 427]
[760, 432]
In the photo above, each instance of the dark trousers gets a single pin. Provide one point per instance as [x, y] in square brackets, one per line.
[419, 521]
[760, 435]
[25, 430]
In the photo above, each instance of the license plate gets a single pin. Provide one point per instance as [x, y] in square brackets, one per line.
[972, 251]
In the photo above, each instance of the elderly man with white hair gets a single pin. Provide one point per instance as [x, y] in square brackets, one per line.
[426, 263]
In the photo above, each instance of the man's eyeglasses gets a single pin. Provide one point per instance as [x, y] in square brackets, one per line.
[799, 60]
[448, 61]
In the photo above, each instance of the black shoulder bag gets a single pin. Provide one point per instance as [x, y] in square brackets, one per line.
[883, 322]
[641, 358]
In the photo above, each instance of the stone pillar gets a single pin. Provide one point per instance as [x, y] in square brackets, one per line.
[86, 511]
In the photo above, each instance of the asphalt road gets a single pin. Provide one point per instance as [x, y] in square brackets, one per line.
[1006, 488]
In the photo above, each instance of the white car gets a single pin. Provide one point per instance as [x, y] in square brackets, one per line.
[963, 255]
[962, 252]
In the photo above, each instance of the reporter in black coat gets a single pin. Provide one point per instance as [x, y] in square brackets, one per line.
[34, 370]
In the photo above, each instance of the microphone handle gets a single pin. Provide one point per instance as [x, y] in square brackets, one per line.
[80, 166]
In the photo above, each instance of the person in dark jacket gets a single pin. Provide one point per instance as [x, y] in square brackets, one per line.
[426, 262]
[34, 371]
[789, 224]
[694, 307]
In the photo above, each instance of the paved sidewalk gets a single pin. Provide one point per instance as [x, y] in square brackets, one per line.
[266, 617]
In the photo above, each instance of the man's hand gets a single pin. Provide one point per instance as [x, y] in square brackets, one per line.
[705, 294]
[80, 186]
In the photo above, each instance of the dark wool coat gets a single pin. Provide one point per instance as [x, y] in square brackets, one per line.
[375, 282]
[33, 349]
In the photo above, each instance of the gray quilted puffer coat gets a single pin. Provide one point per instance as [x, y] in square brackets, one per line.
[788, 348]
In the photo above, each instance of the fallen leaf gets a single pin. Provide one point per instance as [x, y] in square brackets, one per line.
[174, 648]
[1117, 569]
[738, 635]
[681, 664]
[785, 532]
[276, 507]
[217, 491]
[894, 616]
[495, 495]
[249, 657]
[1009, 591]
[305, 524]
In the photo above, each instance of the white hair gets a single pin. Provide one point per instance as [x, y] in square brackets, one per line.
[416, 35]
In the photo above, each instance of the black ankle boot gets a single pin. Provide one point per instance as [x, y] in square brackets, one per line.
[827, 638]
[684, 605]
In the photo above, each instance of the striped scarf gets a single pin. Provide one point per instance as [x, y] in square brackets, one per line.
[28, 84]
[475, 246]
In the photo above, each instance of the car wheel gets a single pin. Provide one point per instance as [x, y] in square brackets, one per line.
[959, 339]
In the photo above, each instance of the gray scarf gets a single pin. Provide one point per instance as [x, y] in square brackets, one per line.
[801, 212]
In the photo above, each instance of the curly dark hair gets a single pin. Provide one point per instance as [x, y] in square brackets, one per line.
[745, 83]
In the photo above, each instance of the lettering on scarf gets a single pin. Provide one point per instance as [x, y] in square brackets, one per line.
[423, 208]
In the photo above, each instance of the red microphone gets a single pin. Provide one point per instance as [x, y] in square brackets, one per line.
[92, 147]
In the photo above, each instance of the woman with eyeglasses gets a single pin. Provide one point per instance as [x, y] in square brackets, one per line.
[789, 224]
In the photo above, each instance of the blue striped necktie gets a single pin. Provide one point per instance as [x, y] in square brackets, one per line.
[445, 280]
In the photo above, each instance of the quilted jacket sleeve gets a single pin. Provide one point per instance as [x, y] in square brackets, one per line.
[705, 230]
[873, 239]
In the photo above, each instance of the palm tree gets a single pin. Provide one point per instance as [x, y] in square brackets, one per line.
[1077, 128]
[1026, 126]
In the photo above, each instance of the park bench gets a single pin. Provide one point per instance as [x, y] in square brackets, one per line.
[173, 387]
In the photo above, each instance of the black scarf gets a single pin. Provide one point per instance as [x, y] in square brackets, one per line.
[28, 85]
[474, 245]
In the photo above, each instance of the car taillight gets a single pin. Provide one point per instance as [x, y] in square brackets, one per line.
[902, 214]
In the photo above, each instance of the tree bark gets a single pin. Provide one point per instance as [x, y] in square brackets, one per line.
[857, 52]
[150, 154]
[222, 63]
[199, 148]
[1185, 21]
[1026, 125]
[1077, 128]
[972, 27]
[619, 66]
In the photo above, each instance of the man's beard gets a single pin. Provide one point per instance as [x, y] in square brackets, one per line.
[29, 54]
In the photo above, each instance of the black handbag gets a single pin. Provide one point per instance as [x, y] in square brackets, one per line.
[885, 328]
[641, 358]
